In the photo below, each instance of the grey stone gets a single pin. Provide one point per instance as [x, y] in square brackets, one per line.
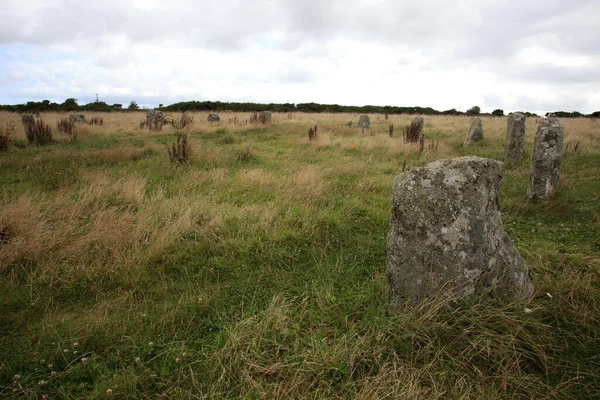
[27, 119]
[515, 138]
[419, 123]
[155, 116]
[446, 237]
[544, 173]
[475, 132]
[77, 118]
[213, 118]
[155, 120]
[364, 121]
[264, 117]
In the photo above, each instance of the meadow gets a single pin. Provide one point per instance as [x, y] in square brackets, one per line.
[257, 269]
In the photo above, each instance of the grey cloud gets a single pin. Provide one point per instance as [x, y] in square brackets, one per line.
[557, 75]
[562, 103]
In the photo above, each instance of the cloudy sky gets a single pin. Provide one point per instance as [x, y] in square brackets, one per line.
[532, 55]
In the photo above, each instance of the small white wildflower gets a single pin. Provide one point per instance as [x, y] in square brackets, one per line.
[66, 350]
[52, 373]
[75, 344]
[42, 362]
[137, 359]
[178, 360]
[549, 295]
[75, 352]
[143, 315]
[108, 392]
[150, 344]
[50, 366]
[42, 383]
[528, 311]
[184, 354]
[17, 377]
[84, 360]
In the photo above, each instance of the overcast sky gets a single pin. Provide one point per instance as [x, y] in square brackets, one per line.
[531, 55]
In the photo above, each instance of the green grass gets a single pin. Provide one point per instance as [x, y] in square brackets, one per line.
[258, 271]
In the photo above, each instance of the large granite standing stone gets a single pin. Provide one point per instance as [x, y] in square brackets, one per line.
[475, 132]
[515, 138]
[27, 119]
[446, 237]
[79, 118]
[264, 117]
[364, 121]
[544, 173]
[213, 118]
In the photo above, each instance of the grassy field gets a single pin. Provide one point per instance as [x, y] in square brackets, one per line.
[258, 269]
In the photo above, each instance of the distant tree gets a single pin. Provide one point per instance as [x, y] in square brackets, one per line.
[451, 112]
[498, 113]
[133, 106]
[475, 110]
[160, 105]
[117, 106]
[70, 104]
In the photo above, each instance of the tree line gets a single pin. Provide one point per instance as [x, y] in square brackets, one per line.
[71, 105]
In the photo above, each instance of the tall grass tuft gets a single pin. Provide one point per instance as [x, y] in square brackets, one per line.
[7, 131]
[38, 132]
[96, 121]
[413, 132]
[67, 125]
[183, 121]
[180, 150]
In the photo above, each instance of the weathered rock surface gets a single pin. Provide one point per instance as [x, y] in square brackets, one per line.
[77, 118]
[544, 173]
[264, 117]
[155, 116]
[475, 132]
[155, 119]
[446, 236]
[213, 118]
[515, 138]
[27, 119]
[364, 121]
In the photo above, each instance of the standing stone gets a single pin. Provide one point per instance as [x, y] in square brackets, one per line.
[264, 117]
[475, 132]
[213, 118]
[364, 122]
[77, 118]
[515, 138]
[155, 119]
[546, 159]
[418, 122]
[27, 119]
[155, 116]
[446, 236]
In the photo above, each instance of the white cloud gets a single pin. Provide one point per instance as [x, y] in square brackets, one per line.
[532, 55]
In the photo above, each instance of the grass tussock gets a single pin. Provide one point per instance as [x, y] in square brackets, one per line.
[180, 151]
[38, 132]
[7, 132]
